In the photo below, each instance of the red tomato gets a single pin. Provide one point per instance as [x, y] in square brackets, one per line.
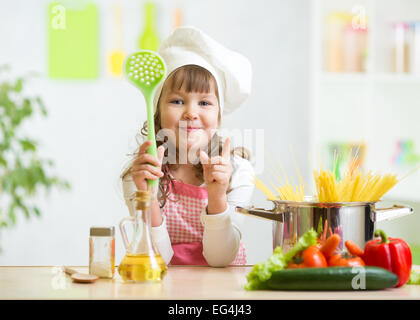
[311, 257]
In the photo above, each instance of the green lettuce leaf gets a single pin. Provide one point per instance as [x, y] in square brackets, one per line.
[261, 272]
[414, 278]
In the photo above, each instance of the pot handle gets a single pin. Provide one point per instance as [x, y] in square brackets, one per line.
[260, 213]
[396, 211]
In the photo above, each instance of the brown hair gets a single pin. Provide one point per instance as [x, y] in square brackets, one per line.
[192, 78]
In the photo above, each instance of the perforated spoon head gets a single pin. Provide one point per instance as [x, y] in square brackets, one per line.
[145, 69]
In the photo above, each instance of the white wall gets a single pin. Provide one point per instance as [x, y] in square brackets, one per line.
[92, 124]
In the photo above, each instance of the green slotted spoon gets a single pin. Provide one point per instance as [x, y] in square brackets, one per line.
[146, 69]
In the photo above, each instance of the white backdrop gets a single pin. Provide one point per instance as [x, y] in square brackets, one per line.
[92, 124]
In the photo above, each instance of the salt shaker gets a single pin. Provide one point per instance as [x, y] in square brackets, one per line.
[102, 251]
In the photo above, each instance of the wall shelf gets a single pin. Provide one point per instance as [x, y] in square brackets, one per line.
[375, 77]
[376, 107]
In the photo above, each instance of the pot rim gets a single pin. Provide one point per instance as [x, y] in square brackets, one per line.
[312, 203]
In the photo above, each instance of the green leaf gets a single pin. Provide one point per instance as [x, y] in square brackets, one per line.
[26, 108]
[41, 106]
[19, 203]
[11, 214]
[414, 278]
[25, 211]
[65, 185]
[305, 241]
[18, 85]
[19, 180]
[36, 211]
[3, 162]
[3, 221]
[28, 145]
[261, 272]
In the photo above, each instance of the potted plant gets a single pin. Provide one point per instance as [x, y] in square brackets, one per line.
[23, 173]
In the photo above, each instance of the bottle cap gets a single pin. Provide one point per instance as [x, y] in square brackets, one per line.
[102, 231]
[143, 195]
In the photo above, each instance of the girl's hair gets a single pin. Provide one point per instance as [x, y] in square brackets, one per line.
[192, 78]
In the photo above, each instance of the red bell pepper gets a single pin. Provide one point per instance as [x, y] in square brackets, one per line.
[392, 254]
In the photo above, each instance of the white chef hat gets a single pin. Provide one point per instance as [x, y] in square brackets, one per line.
[231, 70]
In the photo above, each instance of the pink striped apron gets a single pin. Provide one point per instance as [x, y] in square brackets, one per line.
[182, 211]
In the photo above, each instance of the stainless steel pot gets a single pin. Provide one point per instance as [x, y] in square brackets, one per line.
[351, 220]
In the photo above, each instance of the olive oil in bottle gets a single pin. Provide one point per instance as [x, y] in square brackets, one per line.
[142, 262]
[142, 268]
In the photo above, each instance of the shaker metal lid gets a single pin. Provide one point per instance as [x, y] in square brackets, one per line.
[102, 231]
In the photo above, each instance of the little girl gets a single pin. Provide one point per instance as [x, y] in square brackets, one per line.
[194, 220]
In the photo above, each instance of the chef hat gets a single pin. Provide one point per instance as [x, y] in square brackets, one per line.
[231, 70]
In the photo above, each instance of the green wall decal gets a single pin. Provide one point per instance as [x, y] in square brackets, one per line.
[73, 41]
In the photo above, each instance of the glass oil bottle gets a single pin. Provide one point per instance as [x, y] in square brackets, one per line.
[142, 262]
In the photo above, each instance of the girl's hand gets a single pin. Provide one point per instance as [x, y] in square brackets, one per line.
[217, 172]
[146, 166]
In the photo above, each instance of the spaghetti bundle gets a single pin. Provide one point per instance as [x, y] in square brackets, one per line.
[285, 191]
[354, 187]
[266, 190]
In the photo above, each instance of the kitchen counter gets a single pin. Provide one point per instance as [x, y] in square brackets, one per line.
[180, 283]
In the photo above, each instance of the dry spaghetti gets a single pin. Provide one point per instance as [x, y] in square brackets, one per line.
[285, 191]
[355, 185]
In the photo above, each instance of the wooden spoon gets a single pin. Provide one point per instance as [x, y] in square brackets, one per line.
[80, 277]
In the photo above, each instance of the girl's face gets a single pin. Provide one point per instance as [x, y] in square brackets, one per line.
[192, 116]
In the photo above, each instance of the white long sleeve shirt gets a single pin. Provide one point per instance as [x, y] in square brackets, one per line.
[222, 235]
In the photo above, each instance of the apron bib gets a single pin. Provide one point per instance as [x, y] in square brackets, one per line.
[182, 211]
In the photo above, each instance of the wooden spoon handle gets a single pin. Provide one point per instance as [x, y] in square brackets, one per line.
[69, 271]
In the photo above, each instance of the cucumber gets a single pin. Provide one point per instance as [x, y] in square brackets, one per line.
[333, 278]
